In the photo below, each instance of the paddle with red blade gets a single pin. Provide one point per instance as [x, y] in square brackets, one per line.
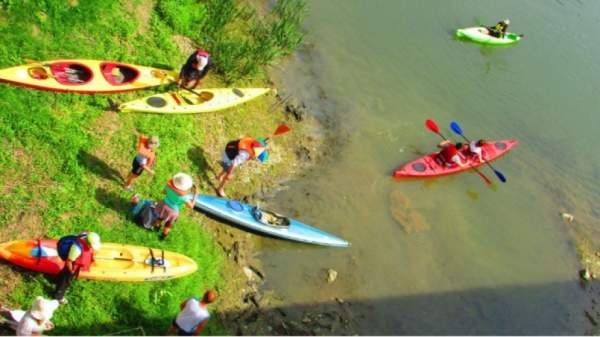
[432, 125]
[281, 129]
[457, 129]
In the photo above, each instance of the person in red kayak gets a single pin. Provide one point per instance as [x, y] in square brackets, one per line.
[193, 316]
[195, 69]
[476, 149]
[144, 159]
[238, 152]
[178, 194]
[450, 155]
[77, 251]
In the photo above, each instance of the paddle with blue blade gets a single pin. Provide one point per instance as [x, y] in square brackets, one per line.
[432, 125]
[458, 130]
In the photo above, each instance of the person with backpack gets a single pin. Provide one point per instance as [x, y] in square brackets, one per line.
[178, 194]
[195, 69]
[77, 251]
[143, 212]
[238, 152]
[193, 315]
[144, 159]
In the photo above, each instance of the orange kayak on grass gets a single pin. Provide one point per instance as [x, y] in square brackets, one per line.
[113, 262]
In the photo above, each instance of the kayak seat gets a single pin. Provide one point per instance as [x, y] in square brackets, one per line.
[270, 218]
[71, 73]
[118, 74]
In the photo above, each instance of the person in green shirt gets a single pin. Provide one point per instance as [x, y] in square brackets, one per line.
[178, 194]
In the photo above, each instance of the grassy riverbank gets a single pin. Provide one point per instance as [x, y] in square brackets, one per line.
[64, 155]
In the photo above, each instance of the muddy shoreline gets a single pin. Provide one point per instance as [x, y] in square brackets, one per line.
[246, 306]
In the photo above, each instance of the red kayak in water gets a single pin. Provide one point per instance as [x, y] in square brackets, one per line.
[428, 166]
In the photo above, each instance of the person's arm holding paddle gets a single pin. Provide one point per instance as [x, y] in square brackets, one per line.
[192, 202]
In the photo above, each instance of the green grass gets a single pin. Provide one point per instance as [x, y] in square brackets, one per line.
[62, 153]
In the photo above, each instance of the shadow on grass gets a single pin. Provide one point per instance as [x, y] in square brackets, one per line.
[98, 167]
[113, 201]
[198, 157]
[130, 321]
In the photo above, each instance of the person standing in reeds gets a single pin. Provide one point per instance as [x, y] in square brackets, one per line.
[195, 69]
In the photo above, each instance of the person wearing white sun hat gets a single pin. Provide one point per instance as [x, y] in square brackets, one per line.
[177, 193]
[32, 322]
[37, 319]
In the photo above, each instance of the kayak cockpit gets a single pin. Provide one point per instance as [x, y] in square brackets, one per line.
[118, 74]
[270, 218]
[71, 73]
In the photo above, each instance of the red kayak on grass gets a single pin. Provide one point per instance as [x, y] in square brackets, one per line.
[428, 166]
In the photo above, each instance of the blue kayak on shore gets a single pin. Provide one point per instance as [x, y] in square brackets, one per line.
[266, 222]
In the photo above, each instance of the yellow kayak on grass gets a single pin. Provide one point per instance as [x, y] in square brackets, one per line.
[86, 76]
[113, 262]
[187, 102]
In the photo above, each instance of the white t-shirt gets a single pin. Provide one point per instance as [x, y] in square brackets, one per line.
[241, 158]
[29, 325]
[474, 148]
[191, 315]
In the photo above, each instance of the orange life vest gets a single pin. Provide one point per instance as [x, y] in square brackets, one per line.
[85, 260]
[145, 150]
[247, 144]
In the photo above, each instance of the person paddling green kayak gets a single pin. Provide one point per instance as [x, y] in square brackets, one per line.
[500, 29]
[494, 35]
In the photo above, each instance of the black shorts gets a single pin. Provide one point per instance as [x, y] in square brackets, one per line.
[136, 165]
[190, 74]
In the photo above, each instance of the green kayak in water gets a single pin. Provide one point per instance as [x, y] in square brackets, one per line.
[480, 34]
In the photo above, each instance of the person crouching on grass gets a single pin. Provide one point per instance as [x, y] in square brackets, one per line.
[238, 152]
[144, 159]
[177, 193]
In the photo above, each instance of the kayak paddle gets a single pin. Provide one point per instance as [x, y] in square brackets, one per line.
[457, 129]
[432, 125]
[281, 129]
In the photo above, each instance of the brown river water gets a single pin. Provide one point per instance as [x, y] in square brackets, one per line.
[464, 258]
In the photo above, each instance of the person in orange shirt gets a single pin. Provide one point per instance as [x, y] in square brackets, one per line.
[238, 152]
[144, 159]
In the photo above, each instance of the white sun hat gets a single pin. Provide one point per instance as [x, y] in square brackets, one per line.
[43, 309]
[182, 181]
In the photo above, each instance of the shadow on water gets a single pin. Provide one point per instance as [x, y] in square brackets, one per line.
[113, 201]
[197, 156]
[98, 167]
[544, 309]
